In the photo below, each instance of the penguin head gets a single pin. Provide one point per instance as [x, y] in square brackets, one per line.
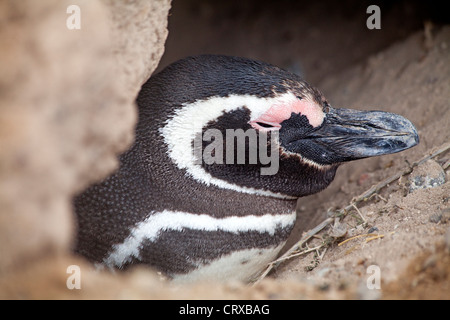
[252, 127]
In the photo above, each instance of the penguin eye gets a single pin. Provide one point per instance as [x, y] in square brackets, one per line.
[264, 125]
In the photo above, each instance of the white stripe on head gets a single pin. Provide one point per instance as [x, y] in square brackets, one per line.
[150, 228]
[188, 122]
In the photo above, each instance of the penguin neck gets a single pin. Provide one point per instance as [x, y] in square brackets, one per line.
[174, 189]
[295, 178]
[189, 195]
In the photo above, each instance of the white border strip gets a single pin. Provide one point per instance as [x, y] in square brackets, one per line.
[150, 228]
[180, 131]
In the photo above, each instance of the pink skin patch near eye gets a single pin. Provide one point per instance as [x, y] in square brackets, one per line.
[275, 115]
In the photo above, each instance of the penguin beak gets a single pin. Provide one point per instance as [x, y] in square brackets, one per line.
[352, 134]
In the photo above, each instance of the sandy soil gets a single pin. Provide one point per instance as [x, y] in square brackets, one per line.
[402, 68]
[412, 79]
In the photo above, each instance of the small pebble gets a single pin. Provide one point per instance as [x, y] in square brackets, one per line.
[428, 175]
[372, 230]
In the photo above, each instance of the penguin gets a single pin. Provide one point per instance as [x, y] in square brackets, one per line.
[190, 201]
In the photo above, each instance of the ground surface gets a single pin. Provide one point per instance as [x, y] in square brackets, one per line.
[411, 80]
[402, 68]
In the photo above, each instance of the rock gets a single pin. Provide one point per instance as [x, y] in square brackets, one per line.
[66, 110]
[373, 229]
[428, 175]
